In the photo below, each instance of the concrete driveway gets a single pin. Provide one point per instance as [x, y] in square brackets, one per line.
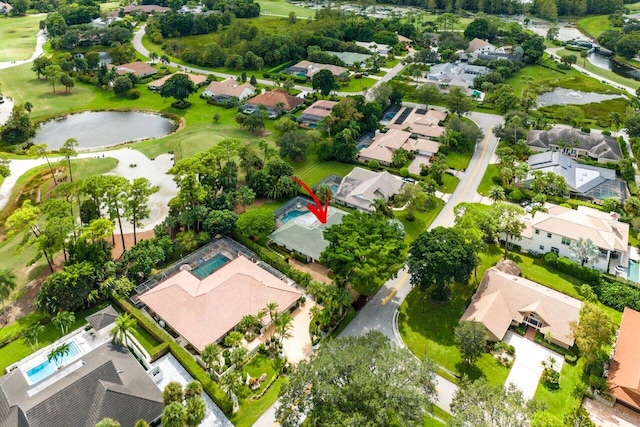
[527, 369]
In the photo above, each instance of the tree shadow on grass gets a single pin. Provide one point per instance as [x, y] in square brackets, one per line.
[471, 371]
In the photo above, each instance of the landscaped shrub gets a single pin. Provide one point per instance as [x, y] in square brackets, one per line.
[374, 165]
[516, 195]
[551, 378]
[597, 382]
[564, 265]
[132, 94]
[585, 130]
[570, 358]
[550, 258]
[618, 295]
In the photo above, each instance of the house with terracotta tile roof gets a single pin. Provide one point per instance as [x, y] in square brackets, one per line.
[308, 69]
[504, 298]
[276, 102]
[197, 79]
[139, 69]
[229, 89]
[315, 113]
[384, 145]
[418, 121]
[624, 370]
[203, 311]
[555, 229]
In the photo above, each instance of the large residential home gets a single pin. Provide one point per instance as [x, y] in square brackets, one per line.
[139, 69]
[5, 8]
[418, 121]
[99, 379]
[145, 8]
[204, 310]
[624, 370]
[482, 49]
[554, 230]
[478, 46]
[308, 69]
[304, 234]
[373, 47]
[584, 181]
[458, 74]
[504, 298]
[197, 79]
[383, 146]
[361, 187]
[575, 143]
[314, 113]
[229, 89]
[276, 102]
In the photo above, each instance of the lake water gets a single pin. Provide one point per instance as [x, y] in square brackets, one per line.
[560, 96]
[606, 63]
[102, 129]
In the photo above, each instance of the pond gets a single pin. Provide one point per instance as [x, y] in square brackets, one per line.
[97, 129]
[606, 63]
[560, 96]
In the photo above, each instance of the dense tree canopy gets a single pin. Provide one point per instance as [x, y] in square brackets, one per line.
[365, 250]
[358, 381]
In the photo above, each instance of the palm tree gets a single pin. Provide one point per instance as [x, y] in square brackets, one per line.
[124, 326]
[68, 150]
[195, 411]
[28, 107]
[31, 335]
[272, 308]
[63, 320]
[153, 56]
[141, 423]
[173, 415]
[58, 353]
[260, 315]
[40, 150]
[616, 120]
[211, 355]
[283, 325]
[7, 284]
[245, 196]
[496, 193]
[231, 383]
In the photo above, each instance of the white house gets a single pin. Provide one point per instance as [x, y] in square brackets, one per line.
[228, 89]
[555, 230]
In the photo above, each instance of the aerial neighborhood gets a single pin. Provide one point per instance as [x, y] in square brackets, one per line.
[270, 212]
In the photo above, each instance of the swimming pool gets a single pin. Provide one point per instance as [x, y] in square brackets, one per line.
[292, 215]
[49, 367]
[209, 266]
[632, 271]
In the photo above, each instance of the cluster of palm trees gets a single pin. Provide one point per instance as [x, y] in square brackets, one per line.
[183, 408]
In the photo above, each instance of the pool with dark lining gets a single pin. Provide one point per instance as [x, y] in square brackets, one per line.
[209, 266]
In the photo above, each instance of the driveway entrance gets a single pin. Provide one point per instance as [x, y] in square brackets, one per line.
[527, 369]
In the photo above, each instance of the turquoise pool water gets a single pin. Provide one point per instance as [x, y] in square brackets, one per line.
[48, 368]
[292, 215]
[632, 272]
[209, 266]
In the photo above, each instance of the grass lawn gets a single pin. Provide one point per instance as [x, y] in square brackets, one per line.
[564, 399]
[600, 71]
[109, 6]
[281, 7]
[18, 37]
[450, 183]
[358, 85]
[312, 170]
[250, 410]
[429, 331]
[144, 338]
[422, 221]
[487, 180]
[18, 349]
[595, 25]
[459, 161]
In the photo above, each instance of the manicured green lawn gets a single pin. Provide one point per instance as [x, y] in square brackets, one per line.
[601, 72]
[565, 398]
[18, 37]
[109, 6]
[427, 328]
[250, 410]
[358, 85]
[282, 7]
[487, 180]
[19, 349]
[422, 221]
[459, 161]
[450, 183]
[313, 170]
[141, 335]
[595, 25]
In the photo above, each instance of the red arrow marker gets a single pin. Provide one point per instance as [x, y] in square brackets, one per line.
[319, 210]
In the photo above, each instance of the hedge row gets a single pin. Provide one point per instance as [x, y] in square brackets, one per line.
[302, 279]
[618, 294]
[564, 265]
[186, 360]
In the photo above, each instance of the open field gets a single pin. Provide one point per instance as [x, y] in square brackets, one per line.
[595, 25]
[602, 72]
[109, 6]
[18, 37]
[283, 8]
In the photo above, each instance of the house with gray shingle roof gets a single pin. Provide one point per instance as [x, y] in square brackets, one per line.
[105, 382]
[575, 143]
[584, 181]
[361, 187]
[103, 318]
